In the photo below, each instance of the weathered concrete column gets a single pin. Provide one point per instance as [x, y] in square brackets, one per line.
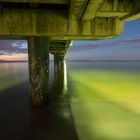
[60, 76]
[58, 64]
[38, 50]
[59, 50]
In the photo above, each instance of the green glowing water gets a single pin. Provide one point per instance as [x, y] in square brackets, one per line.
[105, 100]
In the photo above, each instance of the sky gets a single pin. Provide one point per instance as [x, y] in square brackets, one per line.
[124, 47]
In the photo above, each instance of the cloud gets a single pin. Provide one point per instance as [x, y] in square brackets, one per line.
[131, 42]
[90, 45]
[2, 53]
[11, 47]
[113, 49]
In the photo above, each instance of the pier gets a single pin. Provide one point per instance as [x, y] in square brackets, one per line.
[49, 26]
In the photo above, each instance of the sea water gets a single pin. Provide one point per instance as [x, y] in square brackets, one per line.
[104, 101]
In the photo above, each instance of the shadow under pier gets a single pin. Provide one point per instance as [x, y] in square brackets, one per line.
[18, 121]
[54, 121]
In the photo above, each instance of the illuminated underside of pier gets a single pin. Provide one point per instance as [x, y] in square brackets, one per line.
[50, 25]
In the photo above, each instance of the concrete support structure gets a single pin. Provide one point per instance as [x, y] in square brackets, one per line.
[76, 19]
[59, 50]
[38, 69]
[58, 63]
[61, 21]
[59, 75]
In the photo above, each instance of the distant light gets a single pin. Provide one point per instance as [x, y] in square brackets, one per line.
[65, 77]
[71, 44]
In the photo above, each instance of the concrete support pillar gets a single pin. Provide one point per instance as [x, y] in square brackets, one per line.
[60, 76]
[38, 50]
[58, 64]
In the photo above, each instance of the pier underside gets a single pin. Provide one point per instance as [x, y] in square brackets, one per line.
[50, 25]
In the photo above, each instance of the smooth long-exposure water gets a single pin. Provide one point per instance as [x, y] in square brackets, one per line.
[105, 100]
[100, 101]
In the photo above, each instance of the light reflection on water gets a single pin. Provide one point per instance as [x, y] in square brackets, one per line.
[12, 74]
[104, 99]
[65, 78]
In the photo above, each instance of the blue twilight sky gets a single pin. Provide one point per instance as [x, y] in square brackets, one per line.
[124, 47]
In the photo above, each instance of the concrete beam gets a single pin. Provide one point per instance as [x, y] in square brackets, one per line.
[132, 17]
[33, 22]
[111, 14]
[84, 37]
[57, 47]
[122, 6]
[115, 5]
[61, 50]
[77, 8]
[134, 13]
[37, 1]
[54, 24]
[92, 9]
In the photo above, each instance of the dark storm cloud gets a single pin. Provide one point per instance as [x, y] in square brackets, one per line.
[9, 47]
